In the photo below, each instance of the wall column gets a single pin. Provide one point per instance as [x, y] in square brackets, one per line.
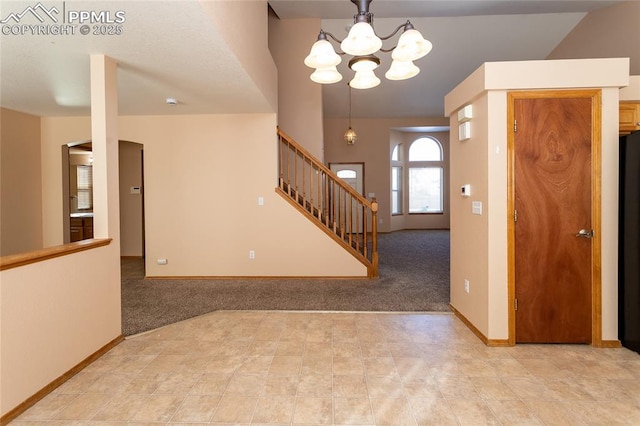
[104, 135]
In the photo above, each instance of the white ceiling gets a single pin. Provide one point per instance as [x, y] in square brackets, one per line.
[338, 9]
[168, 49]
[171, 49]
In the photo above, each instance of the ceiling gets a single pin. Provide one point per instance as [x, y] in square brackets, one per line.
[169, 49]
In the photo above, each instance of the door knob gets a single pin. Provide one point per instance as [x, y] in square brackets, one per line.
[585, 234]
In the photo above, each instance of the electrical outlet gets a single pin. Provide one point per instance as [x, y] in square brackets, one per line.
[252, 254]
[162, 261]
[466, 286]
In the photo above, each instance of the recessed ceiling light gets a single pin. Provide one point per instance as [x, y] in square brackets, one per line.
[172, 101]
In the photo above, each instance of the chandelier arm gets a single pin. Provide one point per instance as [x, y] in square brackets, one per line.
[337, 40]
[393, 33]
[334, 38]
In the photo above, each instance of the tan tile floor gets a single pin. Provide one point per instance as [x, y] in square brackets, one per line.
[290, 368]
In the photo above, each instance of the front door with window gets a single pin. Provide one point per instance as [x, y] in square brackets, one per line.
[353, 175]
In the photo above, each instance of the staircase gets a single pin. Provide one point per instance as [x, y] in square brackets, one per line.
[331, 204]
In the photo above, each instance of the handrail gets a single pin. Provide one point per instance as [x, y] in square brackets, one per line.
[22, 259]
[322, 167]
[333, 205]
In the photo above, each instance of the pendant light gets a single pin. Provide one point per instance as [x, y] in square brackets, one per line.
[350, 136]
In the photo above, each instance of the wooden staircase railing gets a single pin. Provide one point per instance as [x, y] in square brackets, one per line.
[329, 202]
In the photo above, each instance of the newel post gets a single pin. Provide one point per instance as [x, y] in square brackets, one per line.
[374, 238]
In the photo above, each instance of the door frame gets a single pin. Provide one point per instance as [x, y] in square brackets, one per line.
[66, 190]
[596, 203]
[363, 193]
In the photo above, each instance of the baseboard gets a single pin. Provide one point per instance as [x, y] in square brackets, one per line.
[250, 277]
[32, 400]
[610, 344]
[503, 343]
[478, 333]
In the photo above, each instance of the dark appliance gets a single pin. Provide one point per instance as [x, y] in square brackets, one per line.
[629, 243]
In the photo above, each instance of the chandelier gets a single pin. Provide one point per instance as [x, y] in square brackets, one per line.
[362, 43]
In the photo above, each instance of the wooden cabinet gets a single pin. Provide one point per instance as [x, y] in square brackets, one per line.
[81, 228]
[629, 117]
[87, 228]
[76, 229]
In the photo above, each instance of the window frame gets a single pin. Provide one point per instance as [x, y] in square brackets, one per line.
[84, 180]
[427, 164]
[397, 157]
[397, 193]
[440, 168]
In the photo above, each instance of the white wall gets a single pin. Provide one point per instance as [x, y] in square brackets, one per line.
[56, 132]
[479, 243]
[299, 98]
[244, 27]
[470, 233]
[55, 313]
[21, 193]
[375, 136]
[612, 31]
[203, 177]
[632, 91]
[496, 208]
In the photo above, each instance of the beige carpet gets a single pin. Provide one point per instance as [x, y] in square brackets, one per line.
[414, 276]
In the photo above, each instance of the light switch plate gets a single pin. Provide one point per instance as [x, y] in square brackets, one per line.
[476, 207]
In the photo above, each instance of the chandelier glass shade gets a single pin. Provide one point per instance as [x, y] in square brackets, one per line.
[362, 40]
[411, 46]
[326, 75]
[400, 70]
[322, 55]
[362, 43]
[365, 77]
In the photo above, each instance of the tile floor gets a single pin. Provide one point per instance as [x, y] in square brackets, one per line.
[293, 368]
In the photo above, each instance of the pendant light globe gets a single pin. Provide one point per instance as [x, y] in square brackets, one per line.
[361, 40]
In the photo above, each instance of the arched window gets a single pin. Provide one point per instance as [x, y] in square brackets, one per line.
[347, 174]
[425, 149]
[395, 154]
[426, 180]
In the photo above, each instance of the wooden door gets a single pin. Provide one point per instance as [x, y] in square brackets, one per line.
[553, 203]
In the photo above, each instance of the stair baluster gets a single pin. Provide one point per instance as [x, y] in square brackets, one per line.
[330, 203]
